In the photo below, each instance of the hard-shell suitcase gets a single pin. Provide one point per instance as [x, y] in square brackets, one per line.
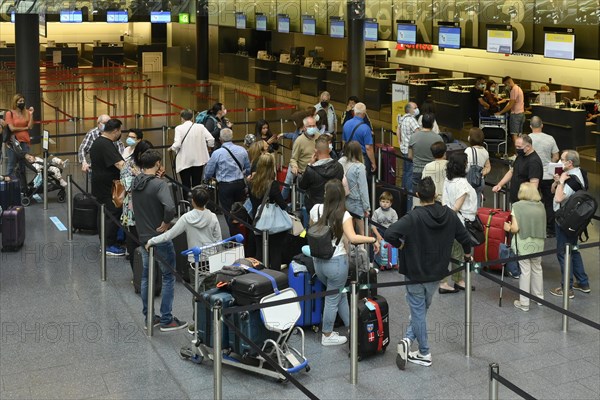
[493, 220]
[85, 211]
[10, 194]
[400, 197]
[13, 228]
[204, 318]
[138, 268]
[305, 283]
[281, 174]
[455, 147]
[250, 288]
[250, 323]
[373, 326]
[388, 163]
[387, 257]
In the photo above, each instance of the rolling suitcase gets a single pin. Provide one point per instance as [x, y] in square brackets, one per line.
[388, 163]
[85, 211]
[373, 326]
[304, 282]
[250, 288]
[387, 257]
[13, 228]
[400, 197]
[493, 220]
[250, 323]
[204, 318]
[10, 194]
[455, 147]
[138, 268]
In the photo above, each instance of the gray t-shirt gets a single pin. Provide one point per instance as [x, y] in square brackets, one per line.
[421, 143]
[385, 217]
[545, 146]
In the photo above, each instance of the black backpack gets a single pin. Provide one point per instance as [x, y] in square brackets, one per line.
[319, 238]
[574, 216]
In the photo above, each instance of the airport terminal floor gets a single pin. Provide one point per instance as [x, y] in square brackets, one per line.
[65, 334]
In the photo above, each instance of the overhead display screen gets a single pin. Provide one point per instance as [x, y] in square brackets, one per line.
[336, 28]
[371, 29]
[71, 16]
[283, 24]
[261, 22]
[449, 37]
[117, 17]
[240, 20]
[309, 26]
[160, 17]
[499, 41]
[559, 45]
[407, 34]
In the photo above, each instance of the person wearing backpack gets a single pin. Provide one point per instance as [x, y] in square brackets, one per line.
[214, 120]
[478, 162]
[572, 180]
[333, 219]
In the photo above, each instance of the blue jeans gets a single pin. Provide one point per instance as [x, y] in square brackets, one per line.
[334, 273]
[576, 261]
[407, 172]
[166, 252]
[418, 297]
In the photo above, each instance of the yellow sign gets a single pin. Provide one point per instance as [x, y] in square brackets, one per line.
[400, 97]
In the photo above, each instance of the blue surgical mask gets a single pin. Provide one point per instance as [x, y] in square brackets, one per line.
[130, 141]
[417, 112]
[312, 131]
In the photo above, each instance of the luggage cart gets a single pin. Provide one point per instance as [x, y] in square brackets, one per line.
[495, 131]
[279, 319]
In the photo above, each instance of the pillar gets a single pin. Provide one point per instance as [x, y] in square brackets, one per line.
[355, 78]
[202, 41]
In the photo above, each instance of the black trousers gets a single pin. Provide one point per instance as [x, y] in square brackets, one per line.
[191, 176]
[547, 196]
[229, 193]
[131, 244]
[277, 243]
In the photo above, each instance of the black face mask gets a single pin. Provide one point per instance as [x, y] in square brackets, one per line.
[520, 152]
[324, 104]
[21, 106]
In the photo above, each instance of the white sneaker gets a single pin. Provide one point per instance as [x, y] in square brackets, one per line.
[333, 339]
[402, 356]
[521, 306]
[417, 358]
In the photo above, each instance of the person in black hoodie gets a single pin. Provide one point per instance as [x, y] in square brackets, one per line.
[425, 236]
[154, 208]
[321, 170]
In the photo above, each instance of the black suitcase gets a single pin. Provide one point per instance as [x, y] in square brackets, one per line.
[85, 211]
[455, 147]
[13, 228]
[373, 326]
[292, 248]
[138, 268]
[10, 194]
[204, 316]
[250, 323]
[400, 196]
[250, 288]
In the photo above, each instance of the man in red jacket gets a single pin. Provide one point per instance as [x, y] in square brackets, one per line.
[424, 236]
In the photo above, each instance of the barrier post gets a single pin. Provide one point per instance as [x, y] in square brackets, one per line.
[246, 110]
[294, 194]
[56, 123]
[75, 147]
[468, 309]
[382, 135]
[150, 294]
[83, 99]
[379, 164]
[164, 142]
[69, 208]
[94, 106]
[496, 197]
[353, 333]
[168, 104]
[115, 109]
[264, 106]
[373, 195]
[102, 243]
[566, 284]
[78, 104]
[125, 102]
[45, 177]
[217, 353]
[265, 248]
[494, 368]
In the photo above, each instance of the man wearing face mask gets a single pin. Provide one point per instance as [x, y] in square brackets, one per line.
[304, 147]
[88, 140]
[407, 126]
[527, 167]
[477, 101]
[107, 162]
[321, 169]
[324, 104]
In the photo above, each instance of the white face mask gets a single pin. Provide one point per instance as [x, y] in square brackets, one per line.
[101, 127]
[417, 112]
[330, 147]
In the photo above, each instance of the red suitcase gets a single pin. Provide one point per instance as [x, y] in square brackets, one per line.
[493, 220]
[13, 228]
[388, 163]
[281, 174]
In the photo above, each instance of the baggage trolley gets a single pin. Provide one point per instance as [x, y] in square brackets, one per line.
[279, 319]
[495, 131]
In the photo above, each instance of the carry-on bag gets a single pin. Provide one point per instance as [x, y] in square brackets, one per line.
[493, 220]
[388, 163]
[253, 286]
[250, 323]
[304, 283]
[373, 326]
[138, 268]
[204, 316]
[10, 194]
[85, 211]
[13, 228]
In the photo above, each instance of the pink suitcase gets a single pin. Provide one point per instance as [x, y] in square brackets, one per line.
[13, 228]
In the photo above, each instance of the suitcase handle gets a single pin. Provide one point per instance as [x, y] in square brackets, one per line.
[380, 332]
[269, 277]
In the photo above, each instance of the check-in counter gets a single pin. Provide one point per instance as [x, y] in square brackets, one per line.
[68, 55]
[377, 92]
[134, 51]
[335, 84]
[312, 80]
[99, 55]
[286, 75]
[418, 92]
[566, 125]
[7, 54]
[451, 106]
[235, 66]
[264, 71]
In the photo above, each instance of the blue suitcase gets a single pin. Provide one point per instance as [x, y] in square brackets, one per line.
[304, 283]
[250, 323]
[204, 320]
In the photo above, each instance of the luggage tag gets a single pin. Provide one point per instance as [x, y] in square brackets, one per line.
[369, 306]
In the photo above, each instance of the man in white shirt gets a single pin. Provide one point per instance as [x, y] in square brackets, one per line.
[407, 126]
[546, 147]
[191, 146]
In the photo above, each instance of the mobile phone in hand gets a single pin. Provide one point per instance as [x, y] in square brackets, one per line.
[558, 170]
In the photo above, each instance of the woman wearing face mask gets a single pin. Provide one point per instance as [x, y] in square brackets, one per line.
[133, 138]
[489, 94]
[264, 132]
[216, 121]
[19, 121]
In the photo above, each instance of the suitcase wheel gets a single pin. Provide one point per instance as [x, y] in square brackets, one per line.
[307, 369]
[25, 201]
[62, 196]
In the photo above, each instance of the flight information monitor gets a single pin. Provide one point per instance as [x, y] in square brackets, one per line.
[309, 26]
[71, 16]
[336, 28]
[160, 17]
[407, 34]
[371, 29]
[283, 24]
[117, 17]
[559, 45]
[449, 37]
[499, 41]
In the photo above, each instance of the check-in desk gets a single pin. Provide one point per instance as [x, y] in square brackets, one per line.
[335, 84]
[312, 80]
[235, 66]
[451, 106]
[264, 71]
[7, 54]
[418, 92]
[134, 51]
[286, 75]
[99, 55]
[377, 92]
[566, 125]
[68, 55]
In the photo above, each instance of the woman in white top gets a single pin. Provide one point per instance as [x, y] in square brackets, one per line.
[460, 196]
[334, 272]
[133, 138]
[428, 107]
[477, 154]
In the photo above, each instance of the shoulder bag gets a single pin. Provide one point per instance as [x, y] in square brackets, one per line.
[271, 218]
[118, 193]
[475, 230]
